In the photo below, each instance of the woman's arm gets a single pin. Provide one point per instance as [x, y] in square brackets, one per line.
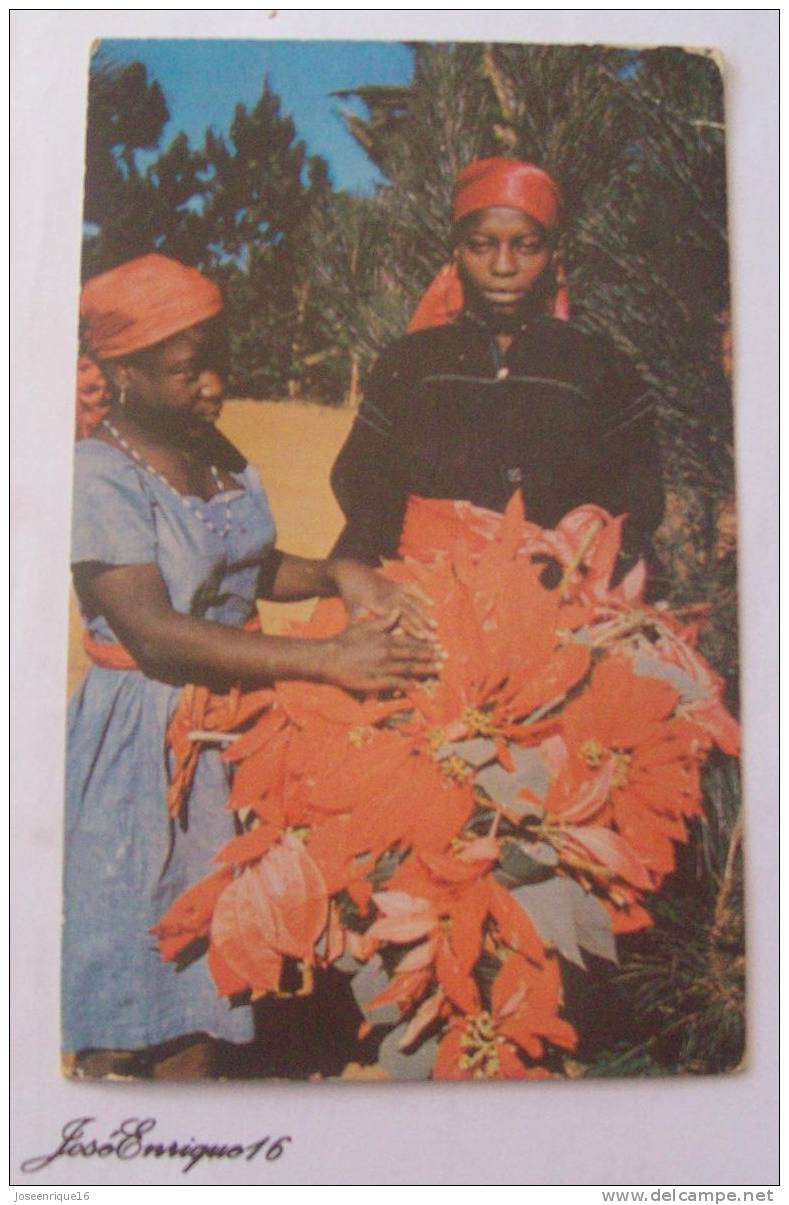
[371, 655]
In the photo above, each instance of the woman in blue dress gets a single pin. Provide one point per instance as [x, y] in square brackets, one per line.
[173, 541]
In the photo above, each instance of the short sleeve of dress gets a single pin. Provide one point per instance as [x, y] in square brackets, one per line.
[112, 515]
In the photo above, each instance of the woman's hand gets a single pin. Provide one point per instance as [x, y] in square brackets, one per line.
[376, 654]
[368, 593]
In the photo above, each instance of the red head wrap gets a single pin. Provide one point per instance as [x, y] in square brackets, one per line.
[484, 183]
[509, 182]
[143, 302]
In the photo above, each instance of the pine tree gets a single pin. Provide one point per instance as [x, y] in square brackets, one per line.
[132, 210]
[126, 114]
[260, 193]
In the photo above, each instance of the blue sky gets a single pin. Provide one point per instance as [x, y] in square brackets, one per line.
[203, 80]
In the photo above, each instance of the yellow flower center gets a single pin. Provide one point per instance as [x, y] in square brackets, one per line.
[436, 739]
[480, 722]
[361, 735]
[455, 769]
[594, 754]
[480, 1053]
[621, 766]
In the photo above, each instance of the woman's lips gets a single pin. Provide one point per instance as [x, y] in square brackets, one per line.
[502, 297]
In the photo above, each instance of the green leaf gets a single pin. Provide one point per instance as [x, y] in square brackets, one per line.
[594, 930]
[505, 787]
[385, 867]
[366, 985]
[407, 1065]
[347, 964]
[569, 918]
[477, 751]
[652, 667]
[551, 906]
[520, 863]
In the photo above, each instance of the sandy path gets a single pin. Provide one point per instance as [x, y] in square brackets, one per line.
[293, 445]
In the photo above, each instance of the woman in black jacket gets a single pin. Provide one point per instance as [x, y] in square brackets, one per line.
[493, 390]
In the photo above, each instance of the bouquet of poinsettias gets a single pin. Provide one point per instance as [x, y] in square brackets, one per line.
[448, 847]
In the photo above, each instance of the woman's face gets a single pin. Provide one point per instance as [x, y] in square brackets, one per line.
[502, 255]
[181, 378]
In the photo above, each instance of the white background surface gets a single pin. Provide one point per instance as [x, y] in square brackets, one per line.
[692, 1131]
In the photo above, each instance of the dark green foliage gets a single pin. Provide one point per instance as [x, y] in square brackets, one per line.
[678, 1001]
[559, 107]
[126, 114]
[261, 191]
[686, 985]
[650, 269]
[131, 211]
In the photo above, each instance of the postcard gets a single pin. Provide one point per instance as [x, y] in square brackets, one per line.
[403, 740]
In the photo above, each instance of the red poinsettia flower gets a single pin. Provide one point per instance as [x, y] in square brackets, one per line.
[586, 542]
[450, 929]
[707, 709]
[190, 916]
[625, 722]
[446, 904]
[489, 1044]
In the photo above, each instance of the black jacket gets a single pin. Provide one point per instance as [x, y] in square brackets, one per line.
[562, 415]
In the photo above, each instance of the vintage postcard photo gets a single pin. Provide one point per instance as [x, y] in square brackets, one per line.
[404, 680]
[480, 817]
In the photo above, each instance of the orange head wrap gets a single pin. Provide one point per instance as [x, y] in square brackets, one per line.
[509, 182]
[482, 184]
[143, 302]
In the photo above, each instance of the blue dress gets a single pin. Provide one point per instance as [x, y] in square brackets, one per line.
[125, 860]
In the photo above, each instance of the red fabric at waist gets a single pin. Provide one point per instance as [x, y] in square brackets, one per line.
[107, 655]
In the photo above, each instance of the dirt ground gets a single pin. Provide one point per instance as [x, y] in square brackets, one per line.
[293, 446]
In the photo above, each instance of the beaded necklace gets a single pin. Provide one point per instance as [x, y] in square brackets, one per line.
[186, 501]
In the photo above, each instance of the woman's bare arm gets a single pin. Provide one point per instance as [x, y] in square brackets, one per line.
[372, 655]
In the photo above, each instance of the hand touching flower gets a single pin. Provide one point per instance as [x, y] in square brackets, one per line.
[367, 594]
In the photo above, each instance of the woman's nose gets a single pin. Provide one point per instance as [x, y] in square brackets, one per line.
[504, 262]
[212, 385]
